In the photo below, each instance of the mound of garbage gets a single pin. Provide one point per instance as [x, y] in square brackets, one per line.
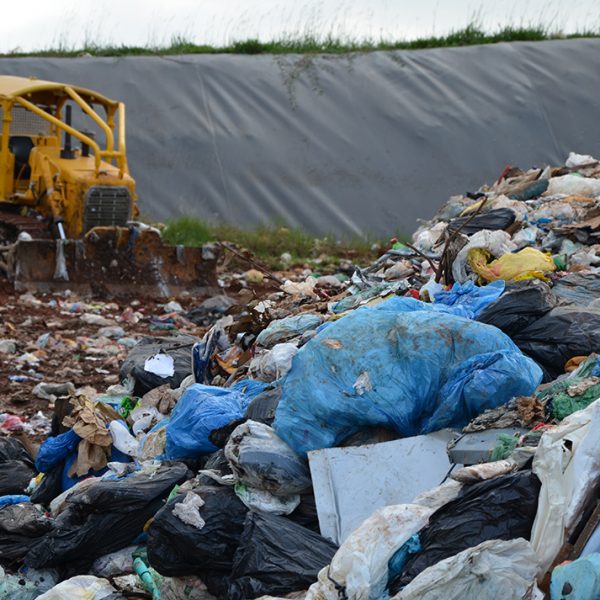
[426, 427]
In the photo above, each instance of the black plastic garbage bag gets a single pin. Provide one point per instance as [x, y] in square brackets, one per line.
[559, 335]
[306, 512]
[16, 467]
[13, 449]
[120, 495]
[50, 486]
[103, 518]
[579, 288]
[21, 527]
[276, 556]
[520, 305]
[15, 476]
[176, 548]
[503, 508]
[499, 218]
[549, 333]
[179, 348]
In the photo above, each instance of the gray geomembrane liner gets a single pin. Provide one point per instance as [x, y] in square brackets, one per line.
[349, 144]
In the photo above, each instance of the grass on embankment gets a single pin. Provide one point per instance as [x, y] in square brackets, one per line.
[269, 242]
[470, 35]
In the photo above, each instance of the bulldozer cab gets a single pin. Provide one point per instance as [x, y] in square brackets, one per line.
[73, 177]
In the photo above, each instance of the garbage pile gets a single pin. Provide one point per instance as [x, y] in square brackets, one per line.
[425, 427]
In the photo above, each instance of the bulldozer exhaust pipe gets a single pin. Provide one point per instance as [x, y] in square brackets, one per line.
[67, 151]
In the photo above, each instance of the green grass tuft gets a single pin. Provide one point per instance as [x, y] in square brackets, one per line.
[270, 241]
[187, 231]
[472, 34]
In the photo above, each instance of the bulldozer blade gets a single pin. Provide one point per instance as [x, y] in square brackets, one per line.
[113, 260]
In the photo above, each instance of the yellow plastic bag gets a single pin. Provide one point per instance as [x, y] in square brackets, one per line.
[529, 263]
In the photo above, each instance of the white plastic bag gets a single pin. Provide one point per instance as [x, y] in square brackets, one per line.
[574, 161]
[188, 511]
[144, 418]
[517, 206]
[360, 565]
[526, 237]
[573, 185]
[115, 563]
[424, 239]
[275, 363]
[82, 587]
[261, 460]
[556, 210]
[493, 570]
[567, 463]
[265, 501]
[122, 439]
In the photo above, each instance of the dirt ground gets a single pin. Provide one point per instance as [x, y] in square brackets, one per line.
[74, 351]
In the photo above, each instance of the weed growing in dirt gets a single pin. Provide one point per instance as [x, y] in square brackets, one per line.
[270, 241]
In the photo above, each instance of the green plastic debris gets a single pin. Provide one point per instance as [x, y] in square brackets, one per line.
[127, 405]
[173, 493]
[560, 260]
[533, 190]
[572, 392]
[564, 404]
[504, 447]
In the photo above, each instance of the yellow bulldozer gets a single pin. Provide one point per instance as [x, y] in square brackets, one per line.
[67, 214]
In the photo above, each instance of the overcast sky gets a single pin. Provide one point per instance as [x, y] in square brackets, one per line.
[39, 24]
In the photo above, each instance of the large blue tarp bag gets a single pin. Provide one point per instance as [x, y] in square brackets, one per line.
[412, 372]
[201, 410]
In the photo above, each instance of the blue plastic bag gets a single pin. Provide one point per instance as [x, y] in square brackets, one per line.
[410, 372]
[63, 449]
[12, 499]
[474, 387]
[469, 299]
[55, 449]
[68, 482]
[581, 578]
[401, 556]
[250, 387]
[201, 410]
